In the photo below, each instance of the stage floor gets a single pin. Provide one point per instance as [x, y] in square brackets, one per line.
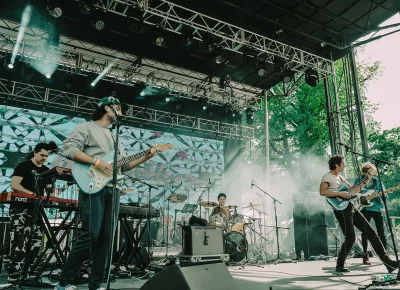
[300, 275]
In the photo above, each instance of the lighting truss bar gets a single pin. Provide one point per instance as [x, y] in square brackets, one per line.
[81, 57]
[17, 92]
[172, 17]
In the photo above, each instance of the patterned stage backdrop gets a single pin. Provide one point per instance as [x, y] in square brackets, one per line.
[192, 161]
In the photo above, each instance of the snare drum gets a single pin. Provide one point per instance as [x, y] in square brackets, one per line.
[236, 219]
[219, 220]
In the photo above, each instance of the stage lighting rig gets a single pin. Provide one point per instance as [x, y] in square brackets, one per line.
[187, 36]
[219, 59]
[208, 42]
[98, 24]
[135, 20]
[287, 76]
[159, 36]
[311, 77]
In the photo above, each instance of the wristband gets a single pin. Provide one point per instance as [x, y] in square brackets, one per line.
[94, 160]
[97, 162]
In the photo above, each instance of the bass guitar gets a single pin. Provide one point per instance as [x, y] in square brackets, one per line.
[339, 203]
[364, 199]
[91, 180]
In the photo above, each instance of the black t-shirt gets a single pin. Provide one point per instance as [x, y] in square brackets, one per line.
[24, 170]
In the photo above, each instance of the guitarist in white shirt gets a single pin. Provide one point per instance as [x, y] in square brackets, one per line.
[87, 143]
[330, 183]
[373, 212]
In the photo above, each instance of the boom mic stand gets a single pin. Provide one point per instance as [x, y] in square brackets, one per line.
[204, 190]
[377, 162]
[278, 257]
[166, 252]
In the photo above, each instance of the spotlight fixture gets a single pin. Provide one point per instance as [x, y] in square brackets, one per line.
[135, 20]
[48, 75]
[142, 93]
[187, 36]
[311, 77]
[178, 107]
[99, 24]
[279, 65]
[249, 116]
[209, 43]
[204, 107]
[261, 72]
[92, 84]
[160, 41]
[54, 9]
[167, 99]
[86, 6]
[219, 59]
[10, 66]
[159, 36]
[287, 77]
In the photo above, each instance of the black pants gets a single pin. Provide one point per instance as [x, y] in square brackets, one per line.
[94, 238]
[347, 220]
[380, 227]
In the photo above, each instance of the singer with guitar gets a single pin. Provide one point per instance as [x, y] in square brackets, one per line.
[374, 211]
[21, 215]
[87, 144]
[330, 187]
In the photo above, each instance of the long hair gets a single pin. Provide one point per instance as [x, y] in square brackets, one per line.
[46, 146]
[99, 113]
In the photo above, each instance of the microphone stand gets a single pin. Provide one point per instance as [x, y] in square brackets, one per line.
[377, 162]
[114, 193]
[204, 190]
[173, 192]
[265, 223]
[335, 236]
[278, 257]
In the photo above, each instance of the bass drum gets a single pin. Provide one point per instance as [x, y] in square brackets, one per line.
[235, 245]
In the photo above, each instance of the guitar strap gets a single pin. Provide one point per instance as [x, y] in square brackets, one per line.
[344, 180]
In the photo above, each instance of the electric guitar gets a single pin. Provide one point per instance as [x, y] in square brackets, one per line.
[91, 180]
[339, 203]
[364, 199]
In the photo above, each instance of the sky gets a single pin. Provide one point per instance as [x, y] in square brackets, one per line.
[384, 91]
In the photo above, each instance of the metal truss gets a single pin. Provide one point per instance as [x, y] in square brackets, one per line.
[17, 93]
[173, 17]
[83, 58]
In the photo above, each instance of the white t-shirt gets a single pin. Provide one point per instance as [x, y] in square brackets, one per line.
[334, 181]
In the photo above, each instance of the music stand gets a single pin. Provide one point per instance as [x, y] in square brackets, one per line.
[189, 208]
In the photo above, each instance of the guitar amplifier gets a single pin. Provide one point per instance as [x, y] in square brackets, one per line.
[198, 240]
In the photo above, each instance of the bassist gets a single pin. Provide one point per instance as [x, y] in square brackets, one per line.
[329, 187]
[372, 212]
[87, 143]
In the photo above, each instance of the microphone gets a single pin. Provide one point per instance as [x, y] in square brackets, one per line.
[53, 150]
[344, 145]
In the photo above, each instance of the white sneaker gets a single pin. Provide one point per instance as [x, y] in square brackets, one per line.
[68, 287]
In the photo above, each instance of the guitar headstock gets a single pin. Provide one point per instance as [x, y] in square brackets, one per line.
[163, 147]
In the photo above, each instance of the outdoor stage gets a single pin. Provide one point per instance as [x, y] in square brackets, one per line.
[301, 275]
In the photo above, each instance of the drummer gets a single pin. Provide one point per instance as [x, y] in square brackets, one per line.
[221, 205]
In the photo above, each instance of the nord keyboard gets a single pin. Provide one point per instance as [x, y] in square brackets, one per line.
[17, 197]
[137, 212]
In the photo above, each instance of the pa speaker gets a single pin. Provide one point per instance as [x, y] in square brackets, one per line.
[192, 277]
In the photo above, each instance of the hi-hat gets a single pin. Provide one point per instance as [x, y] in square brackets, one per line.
[208, 204]
[177, 198]
[251, 205]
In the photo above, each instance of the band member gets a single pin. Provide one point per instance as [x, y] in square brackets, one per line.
[374, 211]
[86, 144]
[221, 204]
[21, 215]
[330, 184]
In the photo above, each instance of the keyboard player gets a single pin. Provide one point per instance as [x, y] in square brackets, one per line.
[21, 215]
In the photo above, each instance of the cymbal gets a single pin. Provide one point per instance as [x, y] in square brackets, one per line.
[177, 198]
[208, 204]
[230, 206]
[251, 205]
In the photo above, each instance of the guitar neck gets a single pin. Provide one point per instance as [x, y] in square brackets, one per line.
[357, 184]
[128, 159]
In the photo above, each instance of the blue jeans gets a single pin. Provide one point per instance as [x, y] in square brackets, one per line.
[94, 238]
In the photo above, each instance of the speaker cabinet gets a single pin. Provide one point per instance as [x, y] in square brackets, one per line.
[310, 230]
[192, 277]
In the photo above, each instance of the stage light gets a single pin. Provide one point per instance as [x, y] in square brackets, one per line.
[249, 116]
[287, 77]
[178, 107]
[86, 6]
[142, 93]
[135, 20]
[279, 65]
[261, 72]
[311, 77]
[187, 36]
[167, 99]
[54, 10]
[48, 75]
[219, 59]
[209, 43]
[92, 84]
[10, 66]
[159, 41]
[99, 24]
